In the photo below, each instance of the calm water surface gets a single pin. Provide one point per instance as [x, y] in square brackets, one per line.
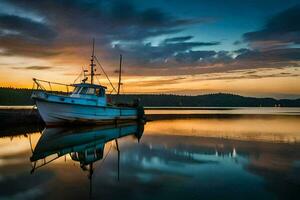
[224, 110]
[206, 110]
[224, 158]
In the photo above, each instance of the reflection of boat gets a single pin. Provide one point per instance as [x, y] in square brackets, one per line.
[86, 104]
[83, 145]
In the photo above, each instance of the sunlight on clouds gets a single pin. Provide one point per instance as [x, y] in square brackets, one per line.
[12, 10]
[164, 51]
[277, 82]
[20, 61]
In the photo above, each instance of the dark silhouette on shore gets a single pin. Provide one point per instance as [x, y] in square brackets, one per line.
[16, 96]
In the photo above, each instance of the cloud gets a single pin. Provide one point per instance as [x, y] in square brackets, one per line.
[189, 62]
[25, 28]
[194, 56]
[163, 54]
[34, 68]
[114, 19]
[68, 26]
[23, 36]
[121, 27]
[19, 45]
[280, 55]
[160, 82]
[280, 30]
[179, 39]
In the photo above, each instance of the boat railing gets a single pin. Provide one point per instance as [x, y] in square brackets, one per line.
[50, 86]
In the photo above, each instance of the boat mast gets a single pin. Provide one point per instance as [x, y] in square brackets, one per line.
[120, 71]
[92, 62]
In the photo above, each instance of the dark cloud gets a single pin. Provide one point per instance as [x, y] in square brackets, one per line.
[242, 51]
[163, 54]
[249, 75]
[26, 28]
[201, 61]
[179, 39]
[237, 42]
[183, 39]
[281, 55]
[280, 30]
[18, 45]
[194, 56]
[23, 36]
[119, 20]
[169, 81]
[34, 68]
[123, 27]
[71, 24]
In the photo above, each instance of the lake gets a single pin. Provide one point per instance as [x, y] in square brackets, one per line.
[243, 157]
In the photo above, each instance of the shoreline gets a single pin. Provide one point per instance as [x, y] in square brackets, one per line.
[24, 120]
[21, 116]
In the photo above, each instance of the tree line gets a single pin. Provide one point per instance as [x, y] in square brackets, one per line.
[21, 96]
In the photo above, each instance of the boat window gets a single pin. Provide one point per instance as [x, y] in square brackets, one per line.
[83, 90]
[76, 90]
[99, 92]
[90, 91]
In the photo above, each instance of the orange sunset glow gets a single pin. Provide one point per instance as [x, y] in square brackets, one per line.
[164, 54]
[142, 100]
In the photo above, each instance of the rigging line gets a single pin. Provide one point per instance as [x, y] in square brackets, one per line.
[105, 73]
[78, 77]
[98, 80]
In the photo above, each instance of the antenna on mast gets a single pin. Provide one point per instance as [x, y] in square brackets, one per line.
[120, 71]
[92, 62]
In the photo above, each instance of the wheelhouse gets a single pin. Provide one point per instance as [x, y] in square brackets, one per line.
[85, 89]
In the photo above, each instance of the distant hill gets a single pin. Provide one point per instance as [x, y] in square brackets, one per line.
[14, 96]
[210, 100]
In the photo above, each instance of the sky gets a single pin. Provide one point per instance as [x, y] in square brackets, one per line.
[189, 47]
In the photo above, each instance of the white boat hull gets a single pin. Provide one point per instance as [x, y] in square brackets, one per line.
[60, 113]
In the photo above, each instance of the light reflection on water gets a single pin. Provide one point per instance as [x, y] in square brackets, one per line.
[232, 158]
[225, 110]
[271, 129]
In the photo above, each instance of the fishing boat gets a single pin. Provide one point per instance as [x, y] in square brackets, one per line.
[87, 103]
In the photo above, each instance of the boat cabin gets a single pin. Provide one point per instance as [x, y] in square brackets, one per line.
[89, 154]
[90, 91]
